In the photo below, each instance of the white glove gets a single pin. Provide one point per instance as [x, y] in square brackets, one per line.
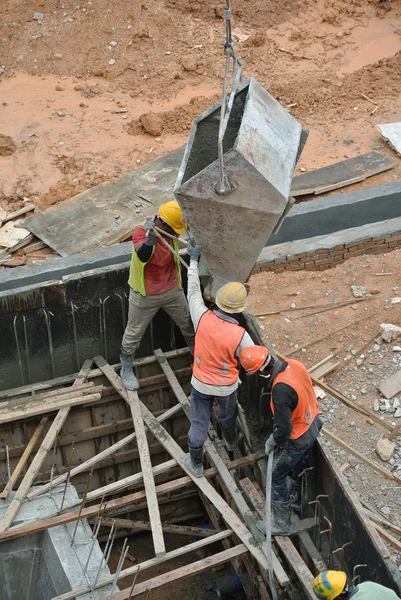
[270, 444]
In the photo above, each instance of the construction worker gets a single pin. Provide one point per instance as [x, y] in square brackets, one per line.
[218, 341]
[155, 282]
[296, 425]
[334, 584]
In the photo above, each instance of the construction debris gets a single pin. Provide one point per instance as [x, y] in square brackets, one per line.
[391, 132]
[389, 332]
[385, 448]
[391, 386]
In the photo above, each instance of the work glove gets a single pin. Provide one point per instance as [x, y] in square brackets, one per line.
[270, 444]
[150, 239]
[194, 252]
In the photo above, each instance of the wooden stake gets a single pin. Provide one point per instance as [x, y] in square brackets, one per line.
[24, 458]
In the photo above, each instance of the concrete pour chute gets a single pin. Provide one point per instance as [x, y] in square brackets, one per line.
[261, 147]
[46, 564]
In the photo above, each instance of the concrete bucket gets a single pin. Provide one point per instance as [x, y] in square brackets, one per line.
[261, 147]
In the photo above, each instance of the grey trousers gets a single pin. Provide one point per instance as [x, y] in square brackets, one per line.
[201, 409]
[142, 309]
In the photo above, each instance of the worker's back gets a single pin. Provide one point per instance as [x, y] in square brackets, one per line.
[368, 590]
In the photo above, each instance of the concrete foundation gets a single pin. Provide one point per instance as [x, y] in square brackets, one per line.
[45, 565]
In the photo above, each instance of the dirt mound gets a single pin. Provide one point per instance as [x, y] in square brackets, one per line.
[178, 120]
[7, 145]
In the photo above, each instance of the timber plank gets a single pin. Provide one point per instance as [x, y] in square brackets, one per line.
[340, 174]
[175, 451]
[167, 527]
[148, 564]
[147, 474]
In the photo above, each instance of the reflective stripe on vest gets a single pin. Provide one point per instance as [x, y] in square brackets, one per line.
[216, 342]
[297, 377]
[137, 270]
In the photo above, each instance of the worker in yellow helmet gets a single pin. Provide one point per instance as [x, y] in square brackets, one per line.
[334, 584]
[218, 341]
[155, 282]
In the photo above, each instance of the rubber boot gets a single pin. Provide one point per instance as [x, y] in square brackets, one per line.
[127, 371]
[194, 460]
[230, 437]
[295, 489]
[281, 519]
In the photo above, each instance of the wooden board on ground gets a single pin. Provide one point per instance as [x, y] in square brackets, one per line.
[107, 213]
[340, 174]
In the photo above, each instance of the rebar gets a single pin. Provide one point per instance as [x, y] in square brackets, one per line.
[82, 504]
[342, 550]
[355, 577]
[133, 583]
[67, 481]
[53, 460]
[330, 532]
[94, 539]
[9, 483]
[103, 555]
[316, 502]
[304, 490]
[124, 553]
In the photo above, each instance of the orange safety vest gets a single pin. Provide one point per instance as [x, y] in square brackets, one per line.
[216, 342]
[297, 377]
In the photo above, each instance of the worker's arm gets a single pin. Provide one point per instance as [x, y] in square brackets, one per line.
[143, 244]
[285, 400]
[245, 343]
[197, 307]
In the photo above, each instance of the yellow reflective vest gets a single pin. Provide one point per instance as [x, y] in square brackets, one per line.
[137, 270]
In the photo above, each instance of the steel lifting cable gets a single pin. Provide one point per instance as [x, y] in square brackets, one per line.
[223, 186]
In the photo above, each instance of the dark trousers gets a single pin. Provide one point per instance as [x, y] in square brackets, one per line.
[201, 409]
[289, 461]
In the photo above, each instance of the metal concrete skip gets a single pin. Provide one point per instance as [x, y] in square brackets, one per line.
[262, 144]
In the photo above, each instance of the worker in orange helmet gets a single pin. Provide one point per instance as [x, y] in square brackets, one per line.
[296, 426]
[155, 282]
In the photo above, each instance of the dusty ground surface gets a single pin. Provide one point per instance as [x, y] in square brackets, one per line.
[352, 335]
[67, 74]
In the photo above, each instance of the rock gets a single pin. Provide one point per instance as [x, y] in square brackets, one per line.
[347, 140]
[397, 413]
[58, 88]
[396, 348]
[7, 145]
[358, 290]
[385, 448]
[396, 300]
[152, 123]
[112, 61]
[58, 56]
[256, 39]
[386, 510]
[376, 405]
[363, 391]
[376, 348]
[390, 332]
[391, 386]
[189, 63]
[293, 305]
[396, 403]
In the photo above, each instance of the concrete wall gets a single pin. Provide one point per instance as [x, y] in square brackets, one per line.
[327, 251]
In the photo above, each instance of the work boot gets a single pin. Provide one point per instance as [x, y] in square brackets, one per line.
[281, 519]
[127, 371]
[194, 460]
[230, 437]
[295, 490]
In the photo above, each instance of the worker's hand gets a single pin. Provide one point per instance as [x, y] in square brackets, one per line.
[150, 239]
[270, 444]
[194, 252]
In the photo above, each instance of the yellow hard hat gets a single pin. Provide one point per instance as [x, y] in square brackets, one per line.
[171, 213]
[329, 584]
[231, 297]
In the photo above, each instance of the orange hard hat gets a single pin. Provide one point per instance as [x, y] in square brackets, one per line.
[253, 358]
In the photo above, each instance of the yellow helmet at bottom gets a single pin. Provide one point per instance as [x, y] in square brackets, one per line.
[329, 584]
[231, 297]
[171, 213]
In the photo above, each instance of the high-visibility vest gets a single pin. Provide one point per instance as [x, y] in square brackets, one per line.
[216, 342]
[137, 270]
[297, 377]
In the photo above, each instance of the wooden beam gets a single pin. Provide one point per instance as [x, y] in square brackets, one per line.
[148, 564]
[374, 465]
[147, 474]
[41, 454]
[24, 458]
[33, 410]
[390, 539]
[175, 451]
[167, 527]
[101, 456]
[286, 546]
[183, 572]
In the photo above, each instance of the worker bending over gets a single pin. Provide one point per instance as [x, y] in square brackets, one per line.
[218, 341]
[296, 425]
[334, 584]
[155, 282]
